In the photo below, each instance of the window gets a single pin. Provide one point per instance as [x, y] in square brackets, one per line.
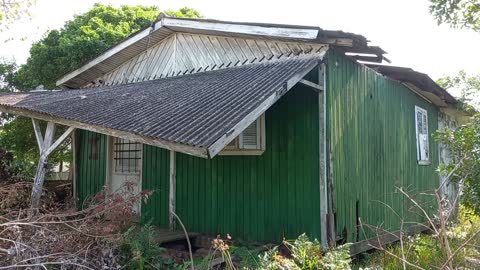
[421, 128]
[126, 156]
[250, 142]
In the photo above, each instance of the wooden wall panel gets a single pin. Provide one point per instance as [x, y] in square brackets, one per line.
[184, 53]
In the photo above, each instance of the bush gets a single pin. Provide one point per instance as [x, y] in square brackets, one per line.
[425, 251]
[306, 255]
[138, 248]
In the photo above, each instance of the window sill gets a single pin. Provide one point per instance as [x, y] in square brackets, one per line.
[241, 153]
[424, 162]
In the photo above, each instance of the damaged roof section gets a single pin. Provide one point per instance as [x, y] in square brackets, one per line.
[196, 114]
[418, 82]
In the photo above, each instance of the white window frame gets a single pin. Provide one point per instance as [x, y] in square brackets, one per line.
[235, 148]
[422, 136]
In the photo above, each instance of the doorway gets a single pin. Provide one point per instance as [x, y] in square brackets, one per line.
[125, 168]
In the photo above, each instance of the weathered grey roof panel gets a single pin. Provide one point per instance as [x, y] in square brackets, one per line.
[194, 110]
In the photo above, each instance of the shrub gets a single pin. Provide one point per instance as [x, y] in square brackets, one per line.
[138, 248]
[306, 255]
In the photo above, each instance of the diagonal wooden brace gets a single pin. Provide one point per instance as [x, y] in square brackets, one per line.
[46, 147]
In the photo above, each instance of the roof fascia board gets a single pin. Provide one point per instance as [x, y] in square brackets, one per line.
[278, 32]
[231, 134]
[191, 150]
[114, 50]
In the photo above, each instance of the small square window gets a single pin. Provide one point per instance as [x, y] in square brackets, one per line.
[421, 129]
[250, 142]
[126, 155]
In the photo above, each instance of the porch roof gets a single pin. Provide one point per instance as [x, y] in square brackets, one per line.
[196, 114]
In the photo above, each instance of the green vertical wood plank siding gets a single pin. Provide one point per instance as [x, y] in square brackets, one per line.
[155, 177]
[263, 197]
[371, 131]
[91, 172]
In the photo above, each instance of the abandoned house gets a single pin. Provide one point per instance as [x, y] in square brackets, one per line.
[261, 131]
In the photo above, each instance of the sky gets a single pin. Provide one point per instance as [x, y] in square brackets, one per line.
[403, 28]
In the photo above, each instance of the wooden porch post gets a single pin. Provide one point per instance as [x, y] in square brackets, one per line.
[322, 161]
[173, 184]
[46, 148]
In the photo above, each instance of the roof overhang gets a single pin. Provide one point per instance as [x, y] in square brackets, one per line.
[425, 87]
[165, 26]
[195, 114]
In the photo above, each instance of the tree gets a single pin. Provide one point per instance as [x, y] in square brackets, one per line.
[12, 10]
[65, 50]
[457, 13]
[468, 87]
[7, 76]
[184, 12]
[464, 142]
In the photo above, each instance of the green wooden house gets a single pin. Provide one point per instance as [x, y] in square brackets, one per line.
[261, 131]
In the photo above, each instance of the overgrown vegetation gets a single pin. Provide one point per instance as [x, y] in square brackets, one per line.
[464, 144]
[425, 251]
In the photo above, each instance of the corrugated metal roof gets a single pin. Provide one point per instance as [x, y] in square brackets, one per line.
[193, 110]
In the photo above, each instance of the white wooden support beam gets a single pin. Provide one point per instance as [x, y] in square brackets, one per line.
[38, 134]
[59, 141]
[172, 191]
[317, 87]
[42, 161]
[322, 164]
[46, 147]
[73, 167]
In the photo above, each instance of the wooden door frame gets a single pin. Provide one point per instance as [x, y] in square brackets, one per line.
[109, 167]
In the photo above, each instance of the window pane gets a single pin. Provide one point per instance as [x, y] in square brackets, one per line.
[127, 156]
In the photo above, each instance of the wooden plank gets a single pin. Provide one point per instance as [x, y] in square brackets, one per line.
[222, 27]
[316, 87]
[114, 50]
[38, 134]
[172, 190]
[59, 141]
[385, 238]
[331, 233]
[40, 173]
[322, 165]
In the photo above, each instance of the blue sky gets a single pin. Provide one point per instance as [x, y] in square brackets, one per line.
[403, 28]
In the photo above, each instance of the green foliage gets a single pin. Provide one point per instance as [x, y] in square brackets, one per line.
[457, 13]
[467, 85]
[12, 10]
[248, 258]
[18, 137]
[464, 144]
[80, 40]
[424, 250]
[139, 249]
[306, 255]
[7, 76]
[184, 12]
